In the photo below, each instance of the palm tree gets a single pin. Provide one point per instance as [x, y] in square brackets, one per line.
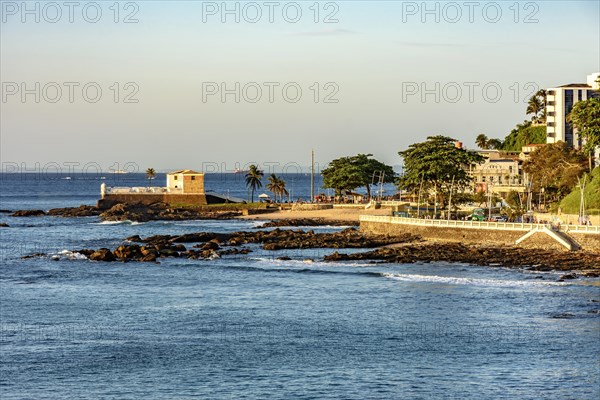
[482, 141]
[281, 189]
[273, 185]
[277, 186]
[534, 106]
[150, 174]
[253, 179]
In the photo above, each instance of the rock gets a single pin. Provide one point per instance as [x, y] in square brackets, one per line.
[160, 211]
[283, 258]
[212, 245]
[85, 252]
[169, 253]
[307, 222]
[5, 212]
[28, 213]
[129, 252]
[568, 276]
[148, 258]
[3, 225]
[178, 247]
[81, 211]
[135, 238]
[102, 254]
[34, 255]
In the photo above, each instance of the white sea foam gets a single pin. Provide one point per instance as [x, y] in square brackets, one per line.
[452, 280]
[68, 254]
[305, 262]
[126, 222]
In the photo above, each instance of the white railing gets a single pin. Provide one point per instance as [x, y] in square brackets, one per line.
[141, 190]
[506, 226]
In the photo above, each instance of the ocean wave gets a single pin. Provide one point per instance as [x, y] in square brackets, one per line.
[452, 280]
[69, 255]
[126, 222]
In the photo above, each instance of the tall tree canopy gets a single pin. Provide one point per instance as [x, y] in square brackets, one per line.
[438, 164]
[349, 173]
[585, 117]
[555, 168]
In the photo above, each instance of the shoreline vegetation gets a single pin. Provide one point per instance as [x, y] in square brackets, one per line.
[405, 248]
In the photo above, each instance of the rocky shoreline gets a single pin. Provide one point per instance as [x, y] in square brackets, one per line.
[507, 257]
[307, 222]
[131, 212]
[384, 249]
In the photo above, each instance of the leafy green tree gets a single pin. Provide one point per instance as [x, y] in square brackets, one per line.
[349, 173]
[585, 117]
[555, 168]
[253, 179]
[150, 174]
[495, 144]
[439, 165]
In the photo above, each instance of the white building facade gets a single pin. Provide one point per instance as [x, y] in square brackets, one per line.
[559, 103]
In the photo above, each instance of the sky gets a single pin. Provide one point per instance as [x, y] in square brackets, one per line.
[216, 86]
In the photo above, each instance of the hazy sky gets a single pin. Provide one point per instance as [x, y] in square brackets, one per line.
[361, 78]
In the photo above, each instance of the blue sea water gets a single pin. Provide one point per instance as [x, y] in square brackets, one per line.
[253, 327]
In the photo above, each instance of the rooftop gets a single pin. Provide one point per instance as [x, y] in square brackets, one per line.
[576, 85]
[185, 172]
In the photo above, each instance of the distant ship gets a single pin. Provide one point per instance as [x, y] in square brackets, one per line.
[120, 171]
[239, 171]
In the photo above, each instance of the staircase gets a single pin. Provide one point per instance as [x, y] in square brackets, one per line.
[562, 238]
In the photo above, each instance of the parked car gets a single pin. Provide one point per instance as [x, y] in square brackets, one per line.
[499, 218]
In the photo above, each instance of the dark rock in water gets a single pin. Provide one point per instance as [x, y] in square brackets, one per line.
[85, 252]
[5, 211]
[563, 316]
[283, 258]
[148, 258]
[3, 225]
[126, 253]
[591, 274]
[135, 238]
[307, 222]
[569, 276]
[102, 254]
[81, 211]
[233, 251]
[169, 253]
[160, 212]
[512, 257]
[34, 255]
[211, 245]
[28, 213]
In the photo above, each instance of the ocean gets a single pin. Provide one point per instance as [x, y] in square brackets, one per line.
[254, 327]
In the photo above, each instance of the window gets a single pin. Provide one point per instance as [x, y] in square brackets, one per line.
[551, 103]
[193, 178]
[550, 92]
[175, 177]
[551, 113]
[550, 123]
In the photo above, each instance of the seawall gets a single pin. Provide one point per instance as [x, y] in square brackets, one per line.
[586, 241]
